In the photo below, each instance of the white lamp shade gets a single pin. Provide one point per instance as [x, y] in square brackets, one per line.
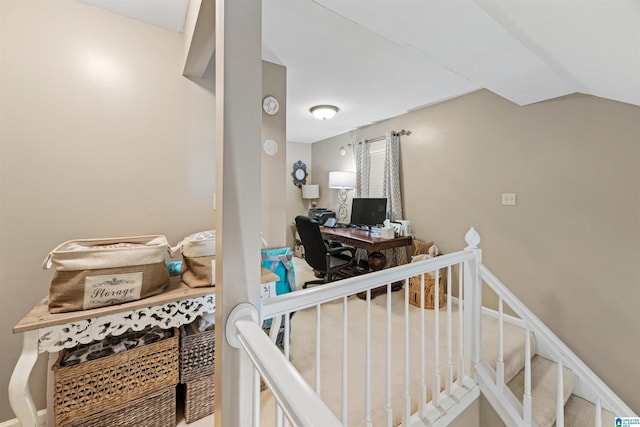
[340, 179]
[311, 191]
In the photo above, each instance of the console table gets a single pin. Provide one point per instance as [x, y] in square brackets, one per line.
[46, 332]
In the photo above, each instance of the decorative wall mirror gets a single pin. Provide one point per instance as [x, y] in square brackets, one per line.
[299, 173]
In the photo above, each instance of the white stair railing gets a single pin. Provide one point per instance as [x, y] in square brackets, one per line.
[454, 382]
[297, 400]
[515, 412]
[442, 374]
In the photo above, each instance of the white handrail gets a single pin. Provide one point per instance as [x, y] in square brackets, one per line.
[300, 404]
[294, 301]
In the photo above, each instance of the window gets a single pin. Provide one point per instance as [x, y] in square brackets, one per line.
[376, 168]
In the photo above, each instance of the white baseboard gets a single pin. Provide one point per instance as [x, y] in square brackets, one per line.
[42, 420]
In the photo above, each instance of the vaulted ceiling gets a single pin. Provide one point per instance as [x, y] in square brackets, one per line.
[377, 59]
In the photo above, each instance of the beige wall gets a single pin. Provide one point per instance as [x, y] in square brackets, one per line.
[570, 247]
[327, 158]
[296, 205]
[274, 206]
[100, 136]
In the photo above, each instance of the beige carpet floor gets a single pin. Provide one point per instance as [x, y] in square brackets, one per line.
[303, 353]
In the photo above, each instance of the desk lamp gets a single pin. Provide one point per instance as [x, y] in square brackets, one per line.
[311, 192]
[342, 181]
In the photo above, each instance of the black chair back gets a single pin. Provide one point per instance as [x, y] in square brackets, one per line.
[315, 250]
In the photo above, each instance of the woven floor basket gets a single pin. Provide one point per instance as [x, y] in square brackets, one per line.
[109, 382]
[198, 399]
[429, 290]
[196, 355]
[156, 410]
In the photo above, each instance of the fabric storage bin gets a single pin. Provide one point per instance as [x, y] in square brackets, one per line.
[155, 410]
[199, 395]
[280, 262]
[198, 256]
[197, 353]
[93, 273]
[87, 388]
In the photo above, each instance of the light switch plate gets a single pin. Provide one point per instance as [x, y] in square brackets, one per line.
[508, 199]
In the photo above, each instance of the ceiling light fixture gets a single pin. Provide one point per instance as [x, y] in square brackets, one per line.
[323, 112]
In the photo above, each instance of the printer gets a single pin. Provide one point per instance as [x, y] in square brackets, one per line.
[321, 214]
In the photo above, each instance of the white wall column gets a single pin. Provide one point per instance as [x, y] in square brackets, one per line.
[238, 170]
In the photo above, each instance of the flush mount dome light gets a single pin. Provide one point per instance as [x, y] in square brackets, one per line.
[323, 112]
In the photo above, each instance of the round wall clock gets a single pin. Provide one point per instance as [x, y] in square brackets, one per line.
[270, 105]
[299, 173]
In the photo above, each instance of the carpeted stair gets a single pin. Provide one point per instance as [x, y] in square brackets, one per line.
[544, 382]
[579, 413]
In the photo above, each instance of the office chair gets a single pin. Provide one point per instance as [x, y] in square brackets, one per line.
[328, 261]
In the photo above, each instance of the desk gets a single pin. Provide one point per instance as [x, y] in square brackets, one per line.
[47, 332]
[368, 241]
[373, 244]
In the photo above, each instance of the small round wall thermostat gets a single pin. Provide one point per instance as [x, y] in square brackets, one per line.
[270, 105]
[270, 147]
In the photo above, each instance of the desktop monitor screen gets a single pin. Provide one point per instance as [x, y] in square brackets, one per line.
[369, 212]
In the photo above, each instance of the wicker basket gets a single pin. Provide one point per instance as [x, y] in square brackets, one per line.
[429, 290]
[156, 410]
[198, 398]
[196, 354]
[98, 385]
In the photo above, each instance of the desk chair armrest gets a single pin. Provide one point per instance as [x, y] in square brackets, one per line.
[339, 249]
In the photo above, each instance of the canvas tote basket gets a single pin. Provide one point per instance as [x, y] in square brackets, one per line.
[93, 273]
[198, 259]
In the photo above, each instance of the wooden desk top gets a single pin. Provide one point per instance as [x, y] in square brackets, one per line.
[364, 239]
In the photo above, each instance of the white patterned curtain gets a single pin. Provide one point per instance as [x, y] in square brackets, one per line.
[361, 155]
[391, 189]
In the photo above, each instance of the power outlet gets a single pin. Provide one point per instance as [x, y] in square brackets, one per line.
[508, 199]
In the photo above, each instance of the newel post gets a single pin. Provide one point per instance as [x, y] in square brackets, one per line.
[472, 302]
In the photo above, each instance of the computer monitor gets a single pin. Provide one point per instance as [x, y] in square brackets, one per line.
[368, 211]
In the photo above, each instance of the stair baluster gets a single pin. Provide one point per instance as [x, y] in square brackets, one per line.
[460, 327]
[500, 362]
[560, 398]
[388, 361]
[367, 399]
[318, 345]
[423, 369]
[449, 382]
[345, 353]
[407, 368]
[526, 402]
[436, 336]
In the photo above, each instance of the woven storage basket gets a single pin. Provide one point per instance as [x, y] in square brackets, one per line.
[198, 398]
[109, 382]
[429, 290]
[196, 354]
[156, 410]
